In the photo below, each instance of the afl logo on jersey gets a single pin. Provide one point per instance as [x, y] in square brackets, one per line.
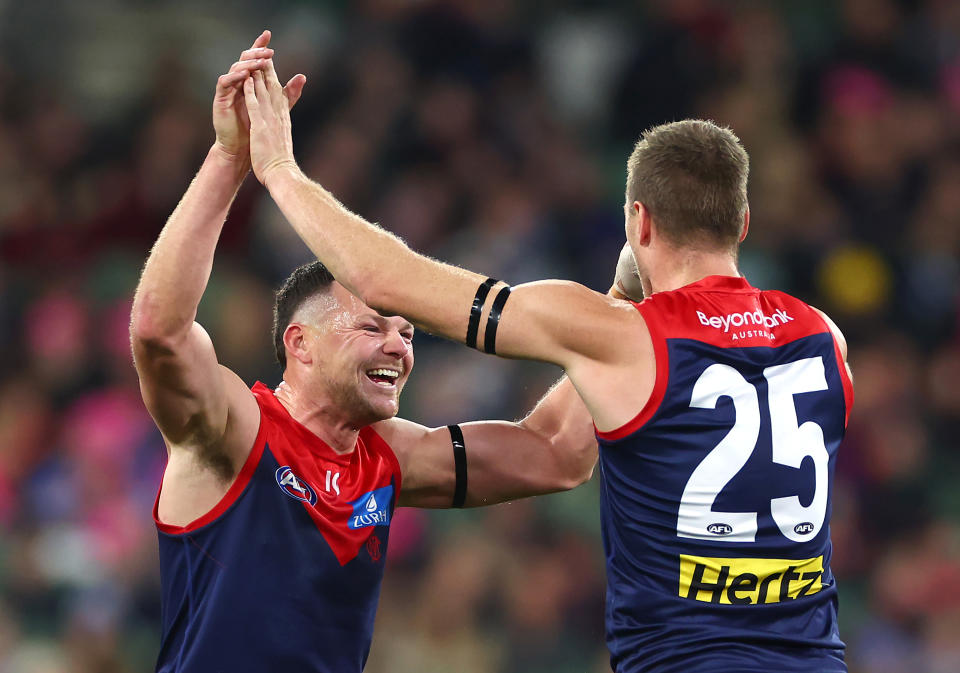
[719, 529]
[803, 528]
[294, 487]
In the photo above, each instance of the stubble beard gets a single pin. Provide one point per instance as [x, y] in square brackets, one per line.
[350, 399]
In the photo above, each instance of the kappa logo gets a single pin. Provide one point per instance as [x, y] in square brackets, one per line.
[372, 508]
[296, 488]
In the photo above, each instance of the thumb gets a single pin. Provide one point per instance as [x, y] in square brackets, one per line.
[294, 89]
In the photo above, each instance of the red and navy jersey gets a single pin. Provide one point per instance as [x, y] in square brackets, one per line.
[284, 573]
[715, 499]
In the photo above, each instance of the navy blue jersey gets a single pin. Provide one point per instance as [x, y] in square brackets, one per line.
[284, 573]
[715, 499]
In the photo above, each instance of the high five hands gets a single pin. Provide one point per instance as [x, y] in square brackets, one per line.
[268, 108]
[232, 120]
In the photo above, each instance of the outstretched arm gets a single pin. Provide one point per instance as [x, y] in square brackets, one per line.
[186, 391]
[552, 449]
[555, 321]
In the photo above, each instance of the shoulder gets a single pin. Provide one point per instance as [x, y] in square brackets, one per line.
[837, 334]
[399, 435]
[394, 438]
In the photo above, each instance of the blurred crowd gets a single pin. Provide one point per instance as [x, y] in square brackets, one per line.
[492, 134]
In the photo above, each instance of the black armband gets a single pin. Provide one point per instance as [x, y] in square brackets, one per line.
[459, 465]
[473, 326]
[493, 321]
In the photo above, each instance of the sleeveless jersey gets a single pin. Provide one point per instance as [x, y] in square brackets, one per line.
[715, 499]
[284, 573]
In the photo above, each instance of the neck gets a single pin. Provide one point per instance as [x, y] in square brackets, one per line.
[680, 267]
[320, 416]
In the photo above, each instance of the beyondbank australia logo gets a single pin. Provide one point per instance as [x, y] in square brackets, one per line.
[372, 508]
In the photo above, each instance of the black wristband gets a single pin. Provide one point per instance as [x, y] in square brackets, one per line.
[493, 321]
[459, 465]
[473, 326]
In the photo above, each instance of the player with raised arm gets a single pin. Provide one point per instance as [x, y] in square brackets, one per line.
[275, 509]
[719, 408]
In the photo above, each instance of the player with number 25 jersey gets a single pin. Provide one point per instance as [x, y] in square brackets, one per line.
[715, 499]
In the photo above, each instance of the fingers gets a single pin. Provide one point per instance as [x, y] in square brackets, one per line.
[231, 80]
[258, 52]
[270, 76]
[248, 65]
[263, 40]
[250, 96]
[294, 89]
[260, 86]
[238, 72]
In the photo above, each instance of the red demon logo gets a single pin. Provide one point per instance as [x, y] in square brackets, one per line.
[373, 548]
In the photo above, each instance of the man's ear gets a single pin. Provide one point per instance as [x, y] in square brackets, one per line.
[644, 224]
[746, 225]
[295, 341]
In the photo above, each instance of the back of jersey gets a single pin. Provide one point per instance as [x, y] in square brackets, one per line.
[716, 498]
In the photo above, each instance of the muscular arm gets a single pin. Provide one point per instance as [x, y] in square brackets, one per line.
[552, 449]
[183, 386]
[190, 396]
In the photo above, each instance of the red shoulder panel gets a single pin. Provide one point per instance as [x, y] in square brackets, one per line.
[336, 482]
[726, 312]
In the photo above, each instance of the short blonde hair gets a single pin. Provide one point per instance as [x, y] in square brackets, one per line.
[691, 176]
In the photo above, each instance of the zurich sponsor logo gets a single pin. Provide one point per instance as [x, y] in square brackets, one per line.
[372, 508]
[801, 528]
[295, 487]
[719, 529]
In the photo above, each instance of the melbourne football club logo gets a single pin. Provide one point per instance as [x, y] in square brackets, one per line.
[372, 508]
[295, 487]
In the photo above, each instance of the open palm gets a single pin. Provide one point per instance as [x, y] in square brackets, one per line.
[230, 119]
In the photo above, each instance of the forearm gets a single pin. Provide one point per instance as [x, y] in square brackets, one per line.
[371, 262]
[178, 268]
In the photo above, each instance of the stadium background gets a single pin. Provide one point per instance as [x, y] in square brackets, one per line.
[492, 134]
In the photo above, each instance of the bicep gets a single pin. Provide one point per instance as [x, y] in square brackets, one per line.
[562, 322]
[183, 387]
[426, 462]
[504, 460]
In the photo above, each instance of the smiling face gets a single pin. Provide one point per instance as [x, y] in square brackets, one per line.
[356, 359]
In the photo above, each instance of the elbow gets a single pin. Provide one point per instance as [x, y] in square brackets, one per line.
[577, 469]
[579, 476]
[151, 330]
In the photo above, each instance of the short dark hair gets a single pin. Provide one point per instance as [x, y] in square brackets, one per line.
[692, 177]
[305, 281]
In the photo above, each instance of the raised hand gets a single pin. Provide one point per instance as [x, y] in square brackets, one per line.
[268, 107]
[230, 120]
